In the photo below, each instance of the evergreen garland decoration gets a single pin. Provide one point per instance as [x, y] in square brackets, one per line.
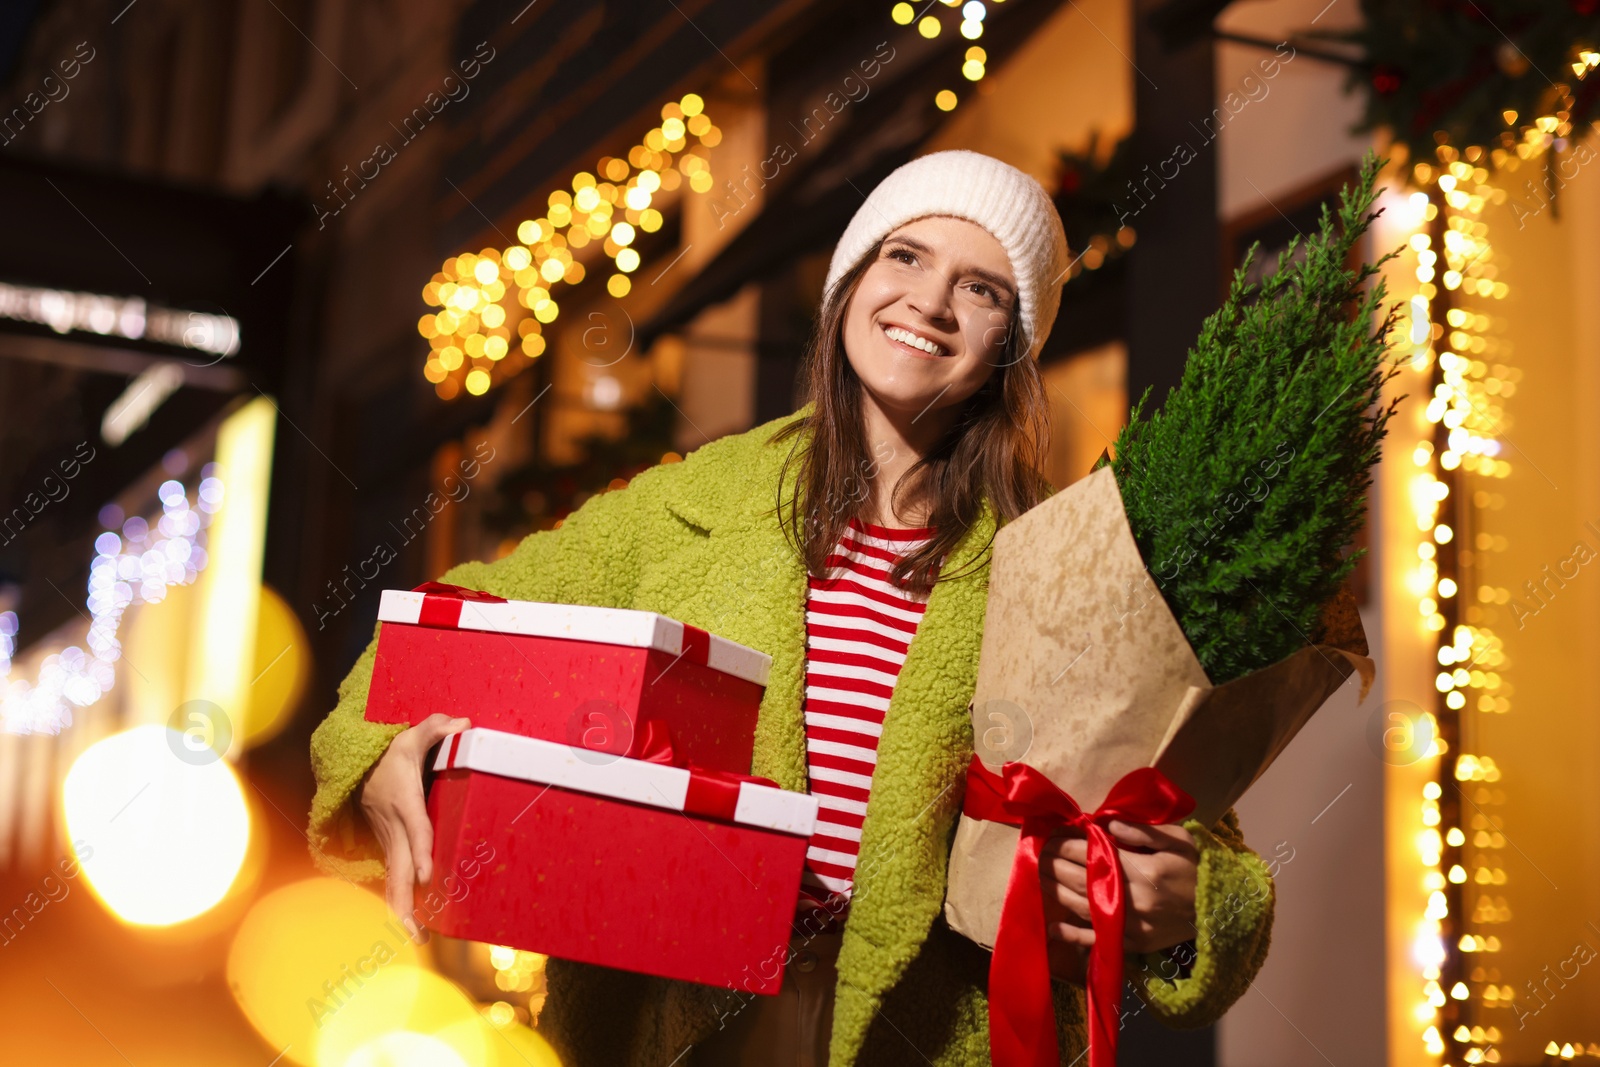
[1448, 71]
[1248, 483]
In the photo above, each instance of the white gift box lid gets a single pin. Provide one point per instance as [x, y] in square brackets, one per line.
[577, 622]
[640, 781]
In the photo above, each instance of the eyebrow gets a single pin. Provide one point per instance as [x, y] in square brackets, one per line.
[989, 276]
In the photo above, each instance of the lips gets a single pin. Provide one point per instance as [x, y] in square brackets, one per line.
[912, 349]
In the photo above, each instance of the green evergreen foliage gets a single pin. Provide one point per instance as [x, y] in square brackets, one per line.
[1437, 73]
[1244, 489]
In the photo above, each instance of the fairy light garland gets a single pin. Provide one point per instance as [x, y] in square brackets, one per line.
[495, 304]
[974, 61]
[1457, 350]
[1455, 345]
[136, 563]
[520, 973]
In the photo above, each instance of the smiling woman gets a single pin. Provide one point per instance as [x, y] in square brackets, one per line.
[850, 542]
[924, 349]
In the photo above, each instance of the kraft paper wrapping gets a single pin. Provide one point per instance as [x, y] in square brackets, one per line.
[1085, 675]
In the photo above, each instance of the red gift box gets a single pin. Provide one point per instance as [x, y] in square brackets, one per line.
[585, 676]
[625, 863]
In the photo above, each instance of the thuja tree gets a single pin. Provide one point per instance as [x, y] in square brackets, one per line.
[1246, 487]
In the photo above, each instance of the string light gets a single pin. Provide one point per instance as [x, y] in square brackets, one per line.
[518, 971]
[134, 563]
[1455, 349]
[494, 304]
[974, 61]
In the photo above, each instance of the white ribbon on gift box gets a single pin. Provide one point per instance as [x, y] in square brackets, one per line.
[659, 785]
[576, 622]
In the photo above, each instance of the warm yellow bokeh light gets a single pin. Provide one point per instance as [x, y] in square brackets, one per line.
[479, 294]
[282, 668]
[306, 950]
[391, 1011]
[403, 1048]
[164, 827]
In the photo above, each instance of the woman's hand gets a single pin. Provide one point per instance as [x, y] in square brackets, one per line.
[390, 796]
[1160, 867]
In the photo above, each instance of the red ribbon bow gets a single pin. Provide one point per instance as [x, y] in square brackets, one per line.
[714, 794]
[441, 602]
[1022, 1029]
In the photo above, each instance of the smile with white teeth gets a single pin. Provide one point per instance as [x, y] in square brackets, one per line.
[907, 337]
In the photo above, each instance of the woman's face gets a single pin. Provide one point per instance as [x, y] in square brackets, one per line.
[947, 283]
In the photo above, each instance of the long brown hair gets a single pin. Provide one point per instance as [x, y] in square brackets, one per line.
[995, 449]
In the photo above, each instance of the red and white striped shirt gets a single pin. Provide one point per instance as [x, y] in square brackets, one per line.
[858, 627]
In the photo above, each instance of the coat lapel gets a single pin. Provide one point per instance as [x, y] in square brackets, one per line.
[917, 784]
[752, 589]
[738, 576]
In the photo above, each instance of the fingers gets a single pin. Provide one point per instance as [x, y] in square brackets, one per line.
[1071, 934]
[418, 832]
[1066, 872]
[397, 889]
[1075, 849]
[427, 733]
[1166, 837]
[1071, 906]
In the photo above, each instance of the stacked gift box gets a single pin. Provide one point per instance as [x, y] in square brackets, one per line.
[607, 766]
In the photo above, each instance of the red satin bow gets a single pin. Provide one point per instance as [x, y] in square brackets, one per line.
[714, 794]
[441, 602]
[1022, 1029]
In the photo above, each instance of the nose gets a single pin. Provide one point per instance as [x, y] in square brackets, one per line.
[932, 298]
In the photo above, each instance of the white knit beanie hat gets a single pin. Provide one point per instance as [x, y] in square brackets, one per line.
[1007, 202]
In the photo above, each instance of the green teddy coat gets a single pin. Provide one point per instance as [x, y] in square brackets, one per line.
[698, 541]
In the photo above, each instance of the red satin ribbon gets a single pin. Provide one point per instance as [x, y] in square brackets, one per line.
[1022, 1028]
[441, 602]
[714, 794]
